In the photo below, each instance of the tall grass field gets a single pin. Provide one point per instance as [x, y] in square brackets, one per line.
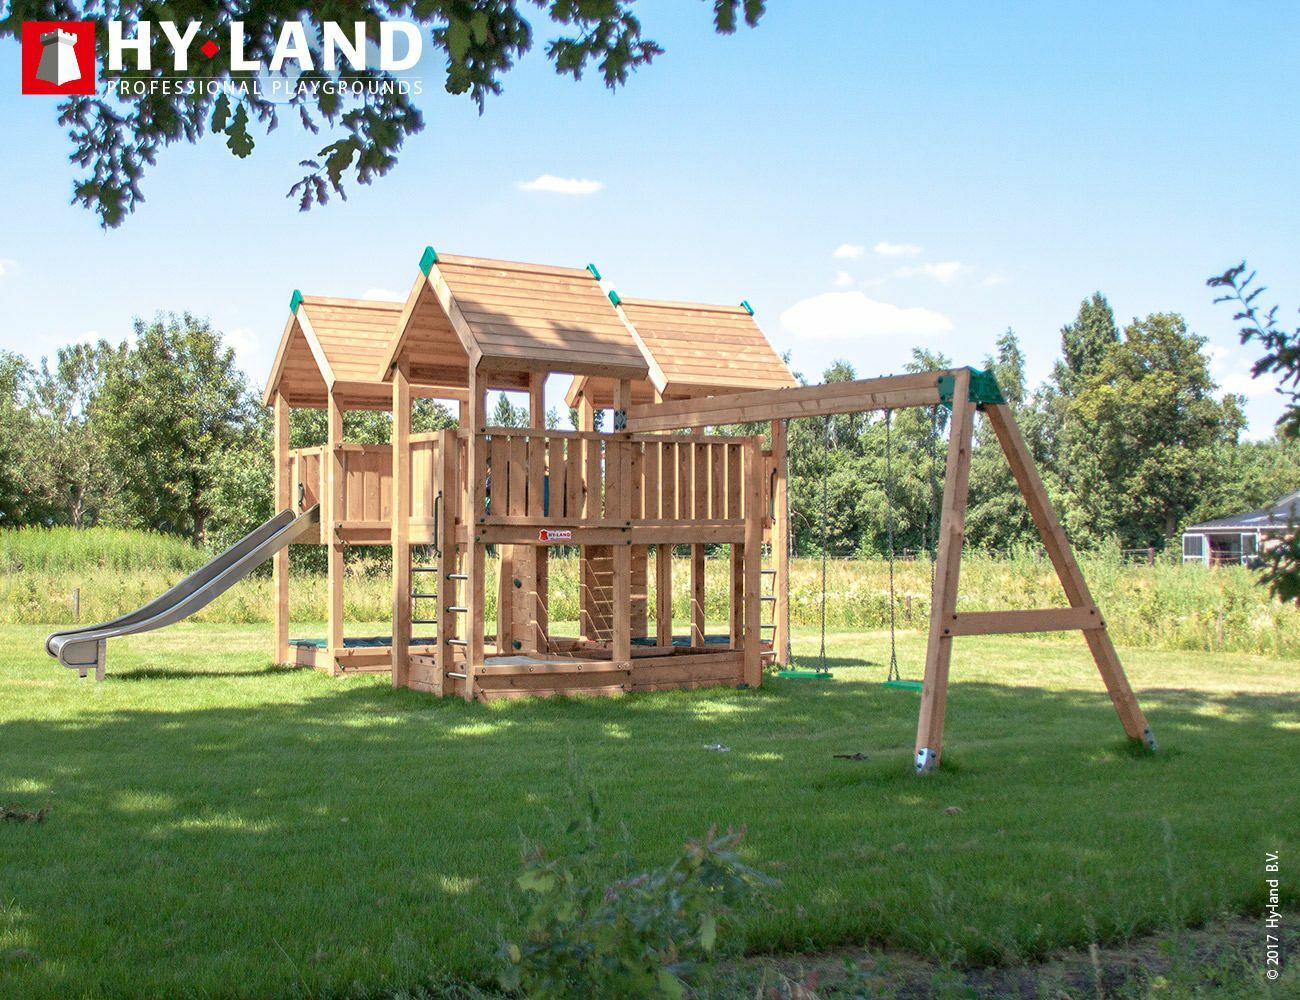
[1166, 606]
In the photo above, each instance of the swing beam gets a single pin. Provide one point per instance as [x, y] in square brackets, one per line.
[966, 391]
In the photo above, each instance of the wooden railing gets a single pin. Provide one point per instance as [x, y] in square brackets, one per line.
[540, 477]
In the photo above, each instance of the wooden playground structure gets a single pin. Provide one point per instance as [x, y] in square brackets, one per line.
[621, 499]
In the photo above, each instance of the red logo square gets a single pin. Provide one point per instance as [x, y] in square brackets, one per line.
[59, 57]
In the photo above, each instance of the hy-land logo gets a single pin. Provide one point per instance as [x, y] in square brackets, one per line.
[60, 57]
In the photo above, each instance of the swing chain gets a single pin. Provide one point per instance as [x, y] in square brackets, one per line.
[894, 674]
[826, 466]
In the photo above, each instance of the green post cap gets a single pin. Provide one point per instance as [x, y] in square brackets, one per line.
[984, 388]
[594, 271]
[613, 297]
[744, 304]
[428, 259]
[295, 300]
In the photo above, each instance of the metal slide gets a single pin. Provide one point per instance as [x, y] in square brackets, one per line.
[83, 649]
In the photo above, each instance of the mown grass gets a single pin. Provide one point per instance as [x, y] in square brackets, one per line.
[221, 827]
[1166, 606]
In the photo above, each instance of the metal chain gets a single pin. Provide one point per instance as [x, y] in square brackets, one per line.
[789, 544]
[932, 541]
[889, 533]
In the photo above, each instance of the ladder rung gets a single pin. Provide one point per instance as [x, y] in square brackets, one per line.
[457, 609]
[457, 576]
[768, 572]
[425, 596]
[424, 621]
[424, 569]
[766, 597]
[454, 673]
[457, 642]
[768, 625]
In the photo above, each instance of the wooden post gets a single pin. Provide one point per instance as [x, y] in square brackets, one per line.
[666, 508]
[283, 501]
[537, 400]
[475, 586]
[334, 494]
[753, 562]
[401, 524]
[1067, 570]
[781, 544]
[692, 508]
[618, 474]
[447, 589]
[586, 578]
[943, 600]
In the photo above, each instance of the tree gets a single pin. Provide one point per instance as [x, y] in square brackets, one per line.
[506, 414]
[169, 408]
[1152, 426]
[75, 478]
[1084, 343]
[1281, 359]
[15, 428]
[116, 139]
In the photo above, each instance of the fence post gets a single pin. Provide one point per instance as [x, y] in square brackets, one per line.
[76, 605]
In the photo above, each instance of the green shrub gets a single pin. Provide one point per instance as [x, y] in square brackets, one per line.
[645, 935]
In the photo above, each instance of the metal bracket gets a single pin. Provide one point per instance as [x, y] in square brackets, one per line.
[620, 420]
[984, 388]
[1149, 739]
[926, 761]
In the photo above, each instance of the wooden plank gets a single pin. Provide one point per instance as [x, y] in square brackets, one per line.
[401, 530]
[753, 555]
[943, 601]
[619, 501]
[781, 542]
[1067, 570]
[1037, 620]
[555, 487]
[476, 569]
[449, 590]
[334, 564]
[283, 501]
[893, 391]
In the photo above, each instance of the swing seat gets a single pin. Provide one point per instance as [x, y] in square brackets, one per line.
[905, 685]
[806, 675]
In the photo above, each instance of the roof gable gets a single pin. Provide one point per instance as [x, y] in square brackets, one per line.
[514, 317]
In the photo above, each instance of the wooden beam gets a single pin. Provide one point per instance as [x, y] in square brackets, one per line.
[753, 560]
[781, 542]
[943, 600]
[475, 586]
[887, 392]
[401, 515]
[1037, 620]
[690, 504]
[447, 484]
[283, 501]
[537, 400]
[334, 505]
[1067, 569]
[618, 477]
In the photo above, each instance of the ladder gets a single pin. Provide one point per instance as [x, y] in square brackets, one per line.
[424, 577]
[767, 629]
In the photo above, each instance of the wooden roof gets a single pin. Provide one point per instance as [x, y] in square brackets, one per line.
[510, 319]
[334, 344]
[694, 350]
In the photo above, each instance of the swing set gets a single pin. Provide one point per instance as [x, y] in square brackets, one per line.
[964, 392]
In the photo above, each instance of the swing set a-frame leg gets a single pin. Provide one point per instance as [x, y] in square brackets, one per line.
[945, 623]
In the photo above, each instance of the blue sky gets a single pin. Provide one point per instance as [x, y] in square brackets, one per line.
[975, 166]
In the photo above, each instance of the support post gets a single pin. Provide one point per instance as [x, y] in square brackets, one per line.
[1067, 570]
[943, 600]
[781, 544]
[448, 508]
[401, 524]
[753, 562]
[618, 473]
[475, 586]
[699, 483]
[334, 567]
[664, 551]
[283, 501]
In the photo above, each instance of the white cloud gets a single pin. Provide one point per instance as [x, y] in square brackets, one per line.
[383, 295]
[993, 280]
[843, 279]
[7, 264]
[1243, 384]
[560, 185]
[944, 270]
[848, 251]
[852, 315]
[886, 249]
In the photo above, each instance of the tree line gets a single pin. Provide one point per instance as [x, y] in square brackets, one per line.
[1129, 432]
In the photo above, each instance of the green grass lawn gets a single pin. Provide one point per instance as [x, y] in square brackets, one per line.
[219, 827]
